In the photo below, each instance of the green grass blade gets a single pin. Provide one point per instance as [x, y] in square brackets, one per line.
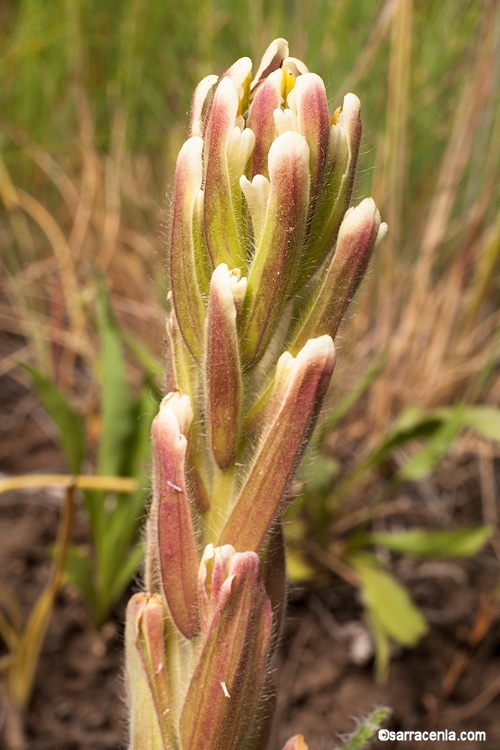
[411, 425]
[116, 404]
[123, 525]
[438, 444]
[69, 424]
[153, 369]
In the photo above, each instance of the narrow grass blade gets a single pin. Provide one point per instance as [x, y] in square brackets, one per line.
[68, 422]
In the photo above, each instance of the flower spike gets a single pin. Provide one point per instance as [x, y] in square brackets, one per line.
[171, 541]
[264, 257]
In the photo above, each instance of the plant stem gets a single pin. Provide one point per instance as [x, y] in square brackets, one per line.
[222, 496]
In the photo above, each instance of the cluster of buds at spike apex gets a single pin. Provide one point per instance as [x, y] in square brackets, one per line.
[262, 186]
[260, 207]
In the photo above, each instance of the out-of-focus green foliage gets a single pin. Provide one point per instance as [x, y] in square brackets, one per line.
[147, 60]
[391, 613]
[438, 429]
[69, 424]
[390, 610]
[104, 571]
[424, 543]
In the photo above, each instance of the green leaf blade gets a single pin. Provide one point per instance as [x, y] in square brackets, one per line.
[483, 419]
[116, 405]
[389, 603]
[67, 421]
[422, 543]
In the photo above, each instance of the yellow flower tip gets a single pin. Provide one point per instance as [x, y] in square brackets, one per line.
[287, 84]
[235, 272]
[238, 287]
[296, 743]
[335, 116]
[230, 283]
[245, 96]
[240, 74]
[213, 571]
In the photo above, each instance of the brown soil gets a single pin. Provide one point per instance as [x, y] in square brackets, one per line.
[326, 665]
[78, 697]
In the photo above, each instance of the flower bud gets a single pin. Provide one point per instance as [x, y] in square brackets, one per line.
[146, 674]
[357, 237]
[296, 743]
[186, 247]
[311, 106]
[202, 98]
[334, 193]
[171, 540]
[222, 372]
[266, 100]
[300, 386]
[272, 59]
[228, 677]
[275, 130]
[281, 228]
[213, 571]
[228, 147]
[262, 188]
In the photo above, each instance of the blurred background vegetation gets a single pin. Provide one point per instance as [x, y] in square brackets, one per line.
[93, 107]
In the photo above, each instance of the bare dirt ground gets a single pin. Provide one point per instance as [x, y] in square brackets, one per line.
[326, 666]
